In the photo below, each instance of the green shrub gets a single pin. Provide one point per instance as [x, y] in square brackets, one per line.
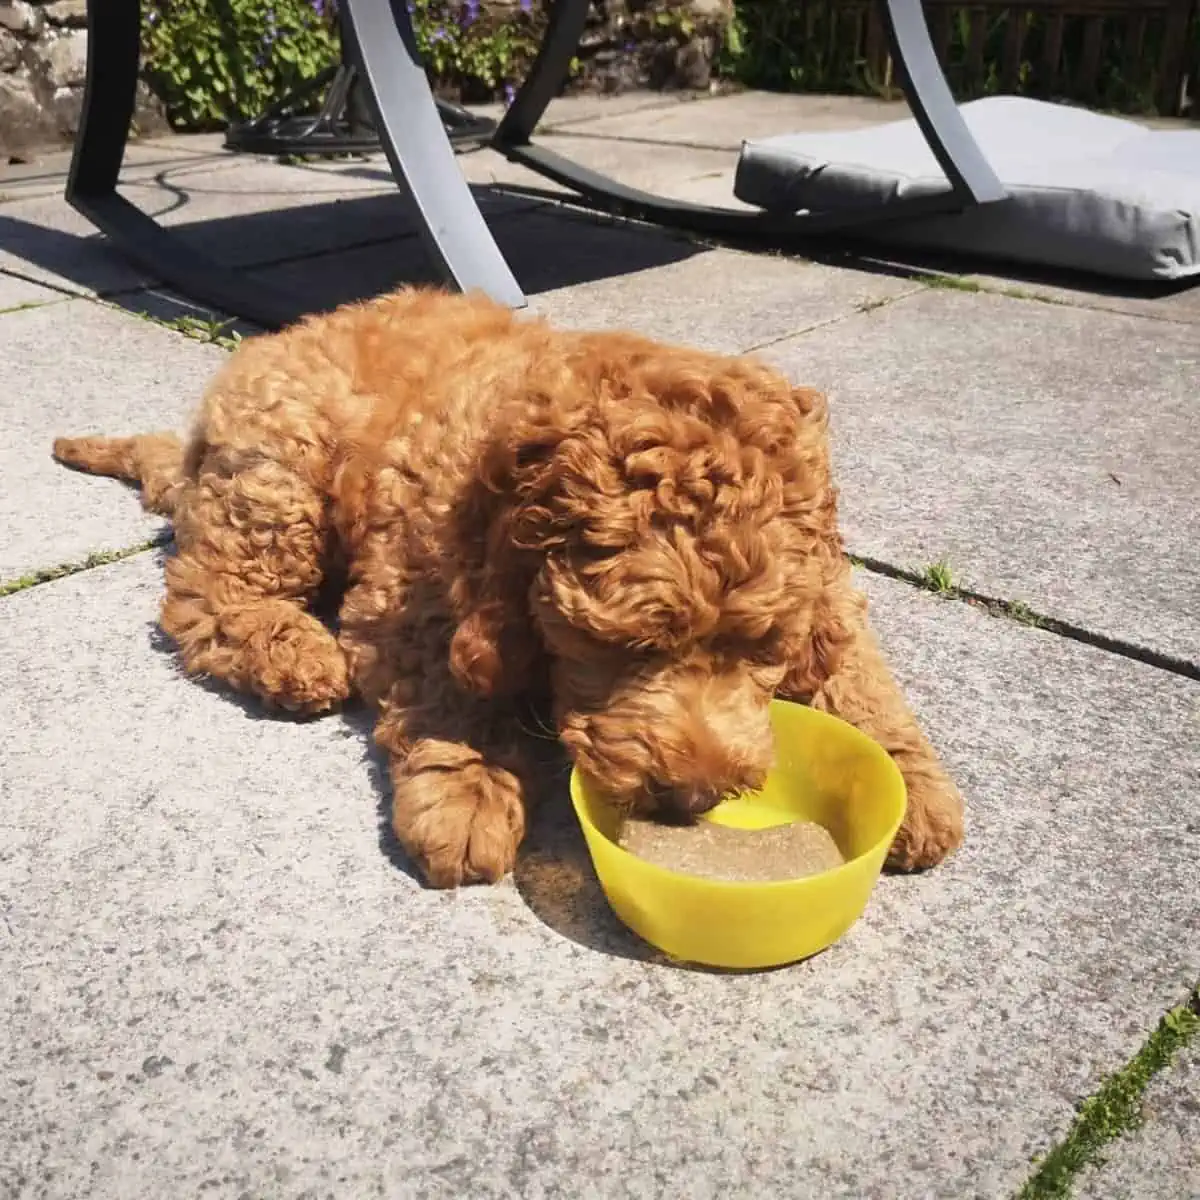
[214, 61]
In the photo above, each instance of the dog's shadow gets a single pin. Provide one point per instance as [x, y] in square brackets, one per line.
[554, 874]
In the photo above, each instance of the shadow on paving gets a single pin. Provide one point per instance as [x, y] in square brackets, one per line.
[356, 247]
[877, 257]
[553, 875]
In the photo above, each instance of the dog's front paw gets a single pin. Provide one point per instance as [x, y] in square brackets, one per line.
[933, 824]
[460, 825]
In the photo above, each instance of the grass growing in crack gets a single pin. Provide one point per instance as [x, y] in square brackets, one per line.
[99, 558]
[1115, 1108]
[1017, 610]
[951, 283]
[25, 306]
[938, 578]
[211, 331]
[872, 303]
[956, 283]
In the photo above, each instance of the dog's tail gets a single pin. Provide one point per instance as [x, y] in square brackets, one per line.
[153, 461]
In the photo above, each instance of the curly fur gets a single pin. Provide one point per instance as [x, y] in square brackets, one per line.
[649, 532]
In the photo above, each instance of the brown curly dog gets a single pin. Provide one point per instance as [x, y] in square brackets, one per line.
[648, 532]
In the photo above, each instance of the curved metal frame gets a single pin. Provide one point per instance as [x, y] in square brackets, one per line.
[339, 127]
[971, 178]
[380, 44]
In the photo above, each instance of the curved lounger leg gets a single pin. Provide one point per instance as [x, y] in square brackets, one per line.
[464, 249]
[114, 35]
[928, 95]
[972, 180]
[381, 44]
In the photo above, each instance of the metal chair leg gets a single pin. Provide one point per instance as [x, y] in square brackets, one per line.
[114, 37]
[933, 105]
[448, 216]
[381, 45]
[972, 180]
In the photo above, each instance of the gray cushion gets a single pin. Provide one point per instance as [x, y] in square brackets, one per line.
[1086, 191]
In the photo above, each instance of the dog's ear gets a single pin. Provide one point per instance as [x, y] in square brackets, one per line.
[504, 527]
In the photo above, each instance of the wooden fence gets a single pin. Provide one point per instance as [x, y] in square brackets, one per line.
[1147, 50]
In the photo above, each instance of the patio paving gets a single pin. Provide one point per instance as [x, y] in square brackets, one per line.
[219, 974]
[1048, 453]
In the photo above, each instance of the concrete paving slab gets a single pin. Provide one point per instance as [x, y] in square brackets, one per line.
[80, 367]
[585, 272]
[726, 121]
[722, 299]
[44, 239]
[219, 980]
[47, 176]
[1047, 453]
[1161, 1160]
[586, 107]
[1164, 303]
[669, 169]
[254, 211]
[1174, 302]
[16, 292]
[242, 211]
[545, 248]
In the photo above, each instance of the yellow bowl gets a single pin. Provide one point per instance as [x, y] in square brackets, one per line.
[825, 771]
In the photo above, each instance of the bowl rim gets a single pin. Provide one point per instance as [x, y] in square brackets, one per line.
[579, 780]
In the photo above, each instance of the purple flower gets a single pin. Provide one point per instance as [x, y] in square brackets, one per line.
[470, 12]
[526, 6]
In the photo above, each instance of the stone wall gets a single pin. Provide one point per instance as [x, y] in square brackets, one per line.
[657, 44]
[43, 57]
[43, 63]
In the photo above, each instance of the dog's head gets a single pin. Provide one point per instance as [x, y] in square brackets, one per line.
[664, 533]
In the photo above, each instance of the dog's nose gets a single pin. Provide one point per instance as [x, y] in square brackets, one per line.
[690, 800]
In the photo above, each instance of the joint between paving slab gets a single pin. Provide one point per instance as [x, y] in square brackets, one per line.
[937, 280]
[1115, 1107]
[26, 305]
[98, 558]
[60, 293]
[863, 306]
[630, 140]
[1022, 614]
